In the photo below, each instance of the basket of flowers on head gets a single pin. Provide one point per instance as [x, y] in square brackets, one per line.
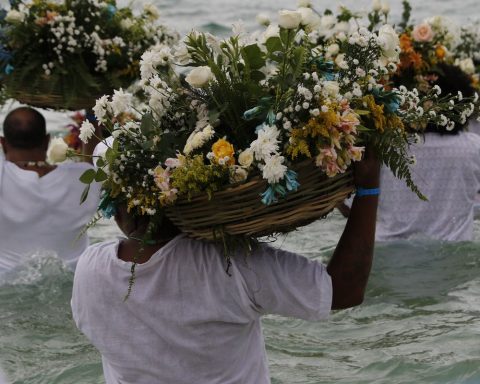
[261, 135]
[65, 54]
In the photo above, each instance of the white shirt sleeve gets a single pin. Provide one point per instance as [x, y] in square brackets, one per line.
[287, 284]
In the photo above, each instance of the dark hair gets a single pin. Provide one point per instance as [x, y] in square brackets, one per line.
[25, 128]
[451, 80]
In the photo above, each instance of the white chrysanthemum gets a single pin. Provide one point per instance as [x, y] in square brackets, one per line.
[151, 10]
[157, 56]
[101, 108]
[266, 143]
[198, 138]
[86, 131]
[121, 102]
[274, 170]
[181, 55]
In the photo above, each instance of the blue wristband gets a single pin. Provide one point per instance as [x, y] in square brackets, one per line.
[367, 192]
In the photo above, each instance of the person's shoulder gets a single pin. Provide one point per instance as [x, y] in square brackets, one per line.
[98, 251]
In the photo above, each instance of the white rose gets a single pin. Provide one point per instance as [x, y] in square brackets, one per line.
[328, 21]
[376, 5]
[332, 88]
[238, 174]
[289, 19]
[466, 65]
[245, 158]
[151, 10]
[340, 61]
[342, 26]
[15, 17]
[272, 31]
[200, 77]
[388, 41]
[309, 18]
[332, 50]
[385, 7]
[263, 19]
[126, 24]
[304, 3]
[57, 151]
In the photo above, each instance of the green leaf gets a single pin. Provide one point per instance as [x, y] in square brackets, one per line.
[253, 55]
[100, 176]
[147, 123]
[110, 155]
[85, 194]
[100, 162]
[274, 44]
[88, 176]
[257, 76]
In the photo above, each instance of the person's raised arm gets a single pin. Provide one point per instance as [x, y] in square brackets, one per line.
[351, 262]
[87, 149]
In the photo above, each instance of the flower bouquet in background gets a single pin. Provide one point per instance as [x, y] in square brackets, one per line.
[72, 138]
[65, 54]
[431, 50]
[261, 135]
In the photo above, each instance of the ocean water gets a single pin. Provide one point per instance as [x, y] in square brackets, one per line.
[420, 322]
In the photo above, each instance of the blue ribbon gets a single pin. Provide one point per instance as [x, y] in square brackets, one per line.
[278, 191]
[390, 100]
[325, 68]
[111, 9]
[9, 69]
[107, 206]
[263, 110]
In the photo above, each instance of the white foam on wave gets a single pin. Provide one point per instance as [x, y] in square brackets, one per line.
[34, 268]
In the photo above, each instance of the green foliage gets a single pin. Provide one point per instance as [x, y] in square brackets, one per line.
[196, 177]
[407, 8]
[42, 63]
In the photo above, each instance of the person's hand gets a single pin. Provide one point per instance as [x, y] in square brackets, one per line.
[367, 171]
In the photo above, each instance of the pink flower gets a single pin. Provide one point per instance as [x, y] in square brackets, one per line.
[162, 178]
[172, 163]
[356, 152]
[332, 169]
[423, 33]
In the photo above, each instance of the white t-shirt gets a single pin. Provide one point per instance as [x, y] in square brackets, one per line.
[448, 174]
[186, 320]
[43, 213]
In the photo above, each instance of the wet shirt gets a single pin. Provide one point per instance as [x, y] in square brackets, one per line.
[43, 214]
[187, 321]
[448, 174]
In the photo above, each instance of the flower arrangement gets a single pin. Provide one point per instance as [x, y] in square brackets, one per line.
[426, 50]
[82, 47]
[257, 107]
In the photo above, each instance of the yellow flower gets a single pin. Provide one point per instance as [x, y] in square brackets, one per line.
[222, 149]
[441, 52]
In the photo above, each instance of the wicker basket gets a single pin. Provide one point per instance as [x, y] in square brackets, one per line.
[43, 95]
[238, 210]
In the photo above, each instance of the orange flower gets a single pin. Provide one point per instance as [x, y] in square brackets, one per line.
[222, 149]
[405, 43]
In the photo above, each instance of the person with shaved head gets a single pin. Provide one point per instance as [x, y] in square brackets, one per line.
[40, 207]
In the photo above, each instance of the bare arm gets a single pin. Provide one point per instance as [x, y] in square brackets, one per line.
[87, 149]
[351, 262]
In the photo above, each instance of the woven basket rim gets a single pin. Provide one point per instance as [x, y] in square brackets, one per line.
[237, 210]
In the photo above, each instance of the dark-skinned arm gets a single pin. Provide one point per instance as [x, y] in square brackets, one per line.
[351, 262]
